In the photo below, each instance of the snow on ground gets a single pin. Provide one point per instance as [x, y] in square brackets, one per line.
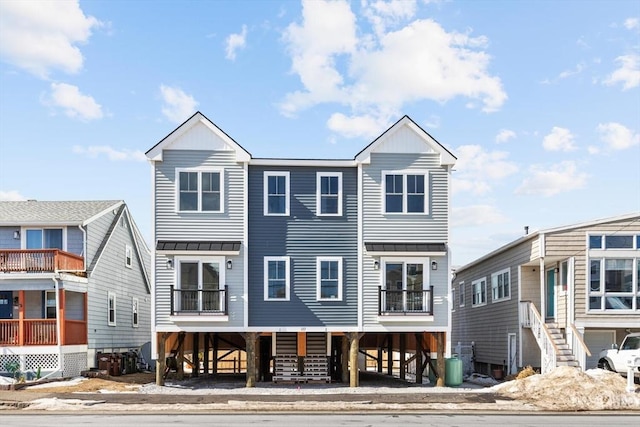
[570, 389]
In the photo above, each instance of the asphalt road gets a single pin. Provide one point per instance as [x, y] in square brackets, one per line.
[321, 420]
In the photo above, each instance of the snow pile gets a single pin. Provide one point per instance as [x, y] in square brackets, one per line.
[570, 389]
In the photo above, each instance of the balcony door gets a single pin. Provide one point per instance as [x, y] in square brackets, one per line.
[200, 284]
[404, 285]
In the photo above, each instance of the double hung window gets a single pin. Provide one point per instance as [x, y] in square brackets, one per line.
[200, 190]
[329, 282]
[276, 193]
[500, 285]
[276, 278]
[329, 193]
[479, 292]
[405, 192]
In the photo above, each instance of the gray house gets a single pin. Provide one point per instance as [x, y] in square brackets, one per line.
[553, 297]
[73, 283]
[298, 268]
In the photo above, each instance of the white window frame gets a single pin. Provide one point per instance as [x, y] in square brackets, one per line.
[477, 292]
[47, 305]
[319, 195]
[135, 312]
[220, 260]
[319, 261]
[287, 267]
[495, 287]
[461, 302]
[199, 171]
[111, 296]
[603, 294]
[404, 174]
[287, 181]
[128, 256]
[453, 299]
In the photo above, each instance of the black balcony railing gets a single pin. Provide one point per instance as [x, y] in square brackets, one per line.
[403, 302]
[199, 302]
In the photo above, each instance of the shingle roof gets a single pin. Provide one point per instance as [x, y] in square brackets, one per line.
[52, 212]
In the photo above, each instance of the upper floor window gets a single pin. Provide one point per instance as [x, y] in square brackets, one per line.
[111, 309]
[134, 308]
[200, 190]
[405, 286]
[405, 192]
[276, 278]
[613, 284]
[616, 241]
[329, 281]
[461, 296]
[276, 193]
[479, 292]
[128, 256]
[44, 238]
[500, 285]
[200, 285]
[329, 193]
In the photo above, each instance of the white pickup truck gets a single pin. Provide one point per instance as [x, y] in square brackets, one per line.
[617, 358]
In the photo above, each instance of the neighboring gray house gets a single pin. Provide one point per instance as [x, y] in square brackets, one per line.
[74, 282]
[552, 297]
[300, 265]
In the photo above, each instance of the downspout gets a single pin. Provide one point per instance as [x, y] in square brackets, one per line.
[84, 246]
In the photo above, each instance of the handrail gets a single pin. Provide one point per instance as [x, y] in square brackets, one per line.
[580, 340]
[543, 337]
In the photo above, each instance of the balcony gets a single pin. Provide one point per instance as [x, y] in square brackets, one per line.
[199, 302]
[41, 332]
[405, 302]
[39, 261]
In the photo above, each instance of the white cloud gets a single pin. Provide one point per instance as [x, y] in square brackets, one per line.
[235, 42]
[39, 36]
[628, 74]
[631, 23]
[476, 215]
[73, 102]
[476, 169]
[95, 151]
[357, 126]
[559, 178]
[383, 14]
[505, 135]
[617, 136]
[568, 73]
[11, 196]
[386, 70]
[178, 106]
[560, 139]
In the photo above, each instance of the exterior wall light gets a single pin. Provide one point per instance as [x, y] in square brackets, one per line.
[229, 264]
[376, 265]
[16, 234]
[434, 265]
[169, 264]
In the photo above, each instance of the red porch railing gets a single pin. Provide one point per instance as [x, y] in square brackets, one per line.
[41, 332]
[39, 260]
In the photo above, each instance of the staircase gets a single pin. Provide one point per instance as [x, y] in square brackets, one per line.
[564, 355]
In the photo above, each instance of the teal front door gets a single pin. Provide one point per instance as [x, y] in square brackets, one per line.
[551, 294]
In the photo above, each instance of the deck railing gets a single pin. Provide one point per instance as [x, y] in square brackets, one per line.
[402, 302]
[578, 346]
[39, 260]
[530, 318]
[199, 302]
[41, 332]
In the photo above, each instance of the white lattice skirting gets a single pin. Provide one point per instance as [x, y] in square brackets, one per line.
[47, 363]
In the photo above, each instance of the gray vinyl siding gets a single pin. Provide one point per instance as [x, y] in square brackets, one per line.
[431, 227]
[110, 274]
[488, 325]
[173, 225]
[6, 238]
[303, 236]
[96, 232]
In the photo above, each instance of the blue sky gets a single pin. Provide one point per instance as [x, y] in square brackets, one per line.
[539, 100]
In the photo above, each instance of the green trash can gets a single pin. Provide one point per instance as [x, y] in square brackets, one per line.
[453, 372]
